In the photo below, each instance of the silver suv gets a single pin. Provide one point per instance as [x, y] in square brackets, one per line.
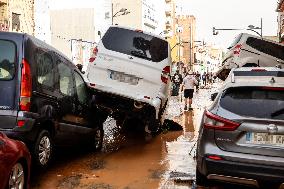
[241, 137]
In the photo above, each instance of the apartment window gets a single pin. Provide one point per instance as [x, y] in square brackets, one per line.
[16, 21]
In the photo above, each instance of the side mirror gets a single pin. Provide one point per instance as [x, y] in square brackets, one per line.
[213, 96]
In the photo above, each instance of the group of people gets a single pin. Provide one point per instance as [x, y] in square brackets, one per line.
[188, 81]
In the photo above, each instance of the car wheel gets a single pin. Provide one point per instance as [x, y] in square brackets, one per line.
[152, 127]
[17, 177]
[98, 138]
[43, 149]
[201, 179]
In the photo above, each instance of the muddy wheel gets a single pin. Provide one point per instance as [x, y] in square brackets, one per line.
[152, 127]
[201, 179]
[17, 177]
[43, 149]
[98, 138]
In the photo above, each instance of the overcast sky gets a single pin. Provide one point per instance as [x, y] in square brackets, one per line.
[231, 14]
[218, 13]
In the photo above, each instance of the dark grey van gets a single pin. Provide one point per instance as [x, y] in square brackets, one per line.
[44, 100]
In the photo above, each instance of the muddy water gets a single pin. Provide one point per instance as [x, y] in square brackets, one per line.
[131, 160]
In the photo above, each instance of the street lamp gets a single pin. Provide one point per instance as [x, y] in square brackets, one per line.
[250, 28]
[123, 11]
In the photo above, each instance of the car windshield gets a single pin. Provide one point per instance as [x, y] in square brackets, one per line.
[258, 102]
[136, 44]
[7, 59]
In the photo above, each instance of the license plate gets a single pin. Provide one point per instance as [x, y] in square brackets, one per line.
[265, 139]
[124, 78]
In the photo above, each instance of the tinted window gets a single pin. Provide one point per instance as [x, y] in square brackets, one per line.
[45, 69]
[254, 102]
[266, 47]
[81, 89]
[66, 85]
[7, 59]
[236, 40]
[136, 44]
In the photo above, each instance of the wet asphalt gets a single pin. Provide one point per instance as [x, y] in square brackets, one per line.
[131, 159]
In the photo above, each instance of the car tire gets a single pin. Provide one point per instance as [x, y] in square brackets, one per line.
[152, 127]
[98, 138]
[17, 177]
[43, 149]
[201, 180]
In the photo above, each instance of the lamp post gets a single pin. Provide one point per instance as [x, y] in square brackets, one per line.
[123, 11]
[250, 28]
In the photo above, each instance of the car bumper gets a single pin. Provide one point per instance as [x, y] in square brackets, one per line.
[242, 173]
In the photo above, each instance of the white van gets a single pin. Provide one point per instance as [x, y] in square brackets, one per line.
[251, 51]
[132, 68]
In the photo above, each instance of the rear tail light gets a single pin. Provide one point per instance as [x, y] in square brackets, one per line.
[26, 87]
[94, 55]
[237, 49]
[21, 123]
[215, 157]
[165, 74]
[212, 121]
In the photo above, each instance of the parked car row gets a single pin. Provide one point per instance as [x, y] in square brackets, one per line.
[241, 136]
[45, 102]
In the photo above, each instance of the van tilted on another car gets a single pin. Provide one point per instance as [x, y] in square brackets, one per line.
[251, 51]
[44, 100]
[133, 68]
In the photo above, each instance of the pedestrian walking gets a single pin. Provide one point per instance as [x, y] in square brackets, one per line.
[204, 78]
[188, 87]
[197, 77]
[177, 81]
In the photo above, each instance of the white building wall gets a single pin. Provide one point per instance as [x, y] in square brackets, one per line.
[42, 20]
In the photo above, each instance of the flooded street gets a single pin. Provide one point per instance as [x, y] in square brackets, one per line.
[131, 160]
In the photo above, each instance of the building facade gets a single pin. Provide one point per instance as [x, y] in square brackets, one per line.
[186, 35]
[280, 19]
[42, 20]
[17, 16]
[146, 15]
[73, 33]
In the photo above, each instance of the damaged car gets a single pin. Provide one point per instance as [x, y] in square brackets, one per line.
[44, 99]
[130, 71]
[251, 51]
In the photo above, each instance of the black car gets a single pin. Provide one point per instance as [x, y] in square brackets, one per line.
[44, 100]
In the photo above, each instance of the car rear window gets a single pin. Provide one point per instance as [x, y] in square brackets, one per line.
[7, 59]
[136, 44]
[266, 47]
[258, 102]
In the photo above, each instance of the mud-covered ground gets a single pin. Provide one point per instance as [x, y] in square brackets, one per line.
[130, 159]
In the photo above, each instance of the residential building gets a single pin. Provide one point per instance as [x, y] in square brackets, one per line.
[73, 32]
[17, 16]
[280, 19]
[186, 34]
[146, 15]
[42, 20]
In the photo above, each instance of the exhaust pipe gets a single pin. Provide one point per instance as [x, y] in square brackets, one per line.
[138, 105]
